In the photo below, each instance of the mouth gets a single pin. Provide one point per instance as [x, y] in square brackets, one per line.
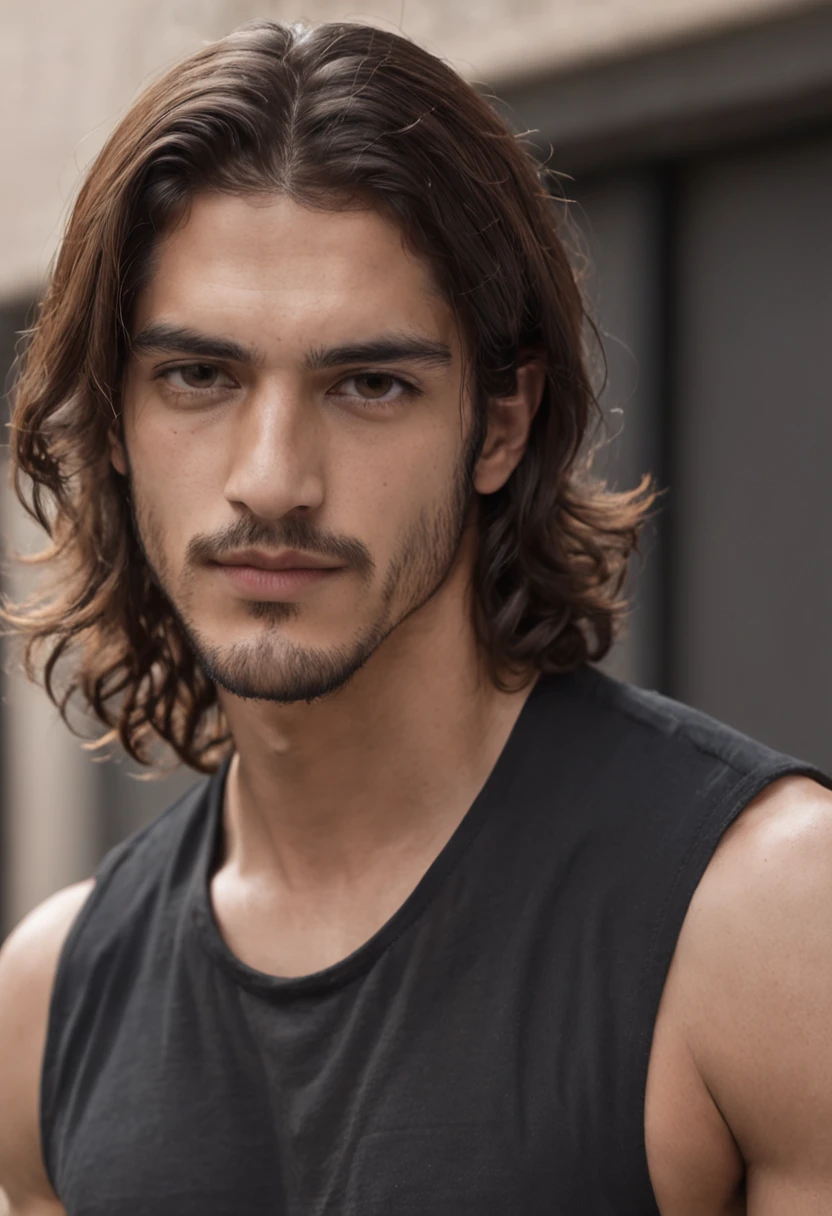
[289, 559]
[263, 576]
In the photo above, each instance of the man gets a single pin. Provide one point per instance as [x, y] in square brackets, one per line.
[459, 925]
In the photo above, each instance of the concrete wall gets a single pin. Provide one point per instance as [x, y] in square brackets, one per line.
[753, 593]
[67, 70]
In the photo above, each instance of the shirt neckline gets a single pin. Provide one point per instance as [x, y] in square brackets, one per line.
[494, 792]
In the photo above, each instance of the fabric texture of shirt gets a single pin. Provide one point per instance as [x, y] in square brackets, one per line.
[485, 1053]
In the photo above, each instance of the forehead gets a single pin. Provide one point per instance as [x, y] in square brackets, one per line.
[291, 272]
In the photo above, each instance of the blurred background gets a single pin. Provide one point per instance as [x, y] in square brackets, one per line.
[697, 140]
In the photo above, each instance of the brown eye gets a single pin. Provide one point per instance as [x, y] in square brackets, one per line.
[381, 389]
[197, 375]
[374, 384]
[195, 378]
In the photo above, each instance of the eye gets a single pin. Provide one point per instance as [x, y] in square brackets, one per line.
[194, 377]
[381, 388]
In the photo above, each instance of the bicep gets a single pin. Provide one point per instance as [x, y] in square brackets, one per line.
[758, 964]
[773, 1194]
[28, 961]
[31, 1207]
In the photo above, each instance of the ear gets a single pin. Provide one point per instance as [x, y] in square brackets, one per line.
[118, 452]
[509, 423]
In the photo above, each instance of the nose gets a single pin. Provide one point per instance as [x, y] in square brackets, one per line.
[276, 457]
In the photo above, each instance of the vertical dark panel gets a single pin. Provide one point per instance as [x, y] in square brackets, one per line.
[620, 215]
[754, 450]
[13, 318]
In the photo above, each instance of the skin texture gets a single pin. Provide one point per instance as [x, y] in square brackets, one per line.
[742, 1053]
[374, 725]
[27, 967]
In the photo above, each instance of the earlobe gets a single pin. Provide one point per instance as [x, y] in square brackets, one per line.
[509, 423]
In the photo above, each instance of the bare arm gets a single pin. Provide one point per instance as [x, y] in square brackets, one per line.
[753, 985]
[27, 969]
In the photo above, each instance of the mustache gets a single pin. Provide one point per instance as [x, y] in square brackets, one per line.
[293, 532]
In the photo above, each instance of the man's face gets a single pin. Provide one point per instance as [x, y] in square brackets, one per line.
[295, 399]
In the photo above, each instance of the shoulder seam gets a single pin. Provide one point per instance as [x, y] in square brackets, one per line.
[680, 729]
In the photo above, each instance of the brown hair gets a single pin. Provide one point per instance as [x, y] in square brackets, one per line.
[321, 115]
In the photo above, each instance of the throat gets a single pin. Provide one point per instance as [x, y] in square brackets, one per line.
[302, 884]
[289, 927]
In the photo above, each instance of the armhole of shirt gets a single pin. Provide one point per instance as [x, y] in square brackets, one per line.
[54, 1021]
[107, 867]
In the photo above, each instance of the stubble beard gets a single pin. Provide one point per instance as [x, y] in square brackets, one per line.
[272, 667]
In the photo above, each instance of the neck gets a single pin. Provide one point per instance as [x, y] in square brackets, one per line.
[319, 794]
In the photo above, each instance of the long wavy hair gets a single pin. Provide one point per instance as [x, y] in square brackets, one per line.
[321, 115]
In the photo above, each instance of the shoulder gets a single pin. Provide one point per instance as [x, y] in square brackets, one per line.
[671, 768]
[28, 963]
[673, 727]
[147, 865]
[769, 882]
[751, 982]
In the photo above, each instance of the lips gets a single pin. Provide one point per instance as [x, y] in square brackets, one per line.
[265, 577]
[290, 560]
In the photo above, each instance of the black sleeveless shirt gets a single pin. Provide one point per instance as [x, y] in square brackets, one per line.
[484, 1054]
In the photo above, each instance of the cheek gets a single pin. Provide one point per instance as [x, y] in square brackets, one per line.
[392, 502]
[172, 480]
[388, 485]
[167, 447]
[411, 461]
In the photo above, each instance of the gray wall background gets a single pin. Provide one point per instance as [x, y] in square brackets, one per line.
[723, 304]
[708, 217]
[753, 601]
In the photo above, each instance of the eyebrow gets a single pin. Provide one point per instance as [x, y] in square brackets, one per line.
[389, 348]
[161, 337]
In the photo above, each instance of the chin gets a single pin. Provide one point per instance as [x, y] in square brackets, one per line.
[277, 669]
